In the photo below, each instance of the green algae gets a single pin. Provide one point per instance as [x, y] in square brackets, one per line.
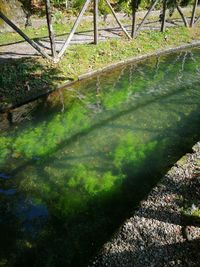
[84, 161]
[78, 115]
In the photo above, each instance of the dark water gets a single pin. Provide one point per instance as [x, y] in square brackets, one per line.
[82, 159]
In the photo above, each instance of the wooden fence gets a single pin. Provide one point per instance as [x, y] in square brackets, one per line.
[55, 55]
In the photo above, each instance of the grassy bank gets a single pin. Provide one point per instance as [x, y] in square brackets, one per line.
[26, 78]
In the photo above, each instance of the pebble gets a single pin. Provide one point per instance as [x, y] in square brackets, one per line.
[155, 234]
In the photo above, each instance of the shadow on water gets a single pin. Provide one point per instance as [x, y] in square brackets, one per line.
[72, 174]
[146, 250]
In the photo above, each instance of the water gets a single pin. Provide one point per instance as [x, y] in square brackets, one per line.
[83, 158]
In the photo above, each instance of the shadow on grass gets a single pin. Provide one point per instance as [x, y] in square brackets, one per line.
[25, 79]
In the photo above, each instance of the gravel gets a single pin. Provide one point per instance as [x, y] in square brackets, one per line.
[158, 234]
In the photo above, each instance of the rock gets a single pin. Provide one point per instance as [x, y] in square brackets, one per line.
[18, 17]
[192, 233]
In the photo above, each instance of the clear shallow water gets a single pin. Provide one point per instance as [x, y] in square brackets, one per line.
[83, 159]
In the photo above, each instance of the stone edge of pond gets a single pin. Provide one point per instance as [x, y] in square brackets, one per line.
[99, 71]
[136, 59]
[158, 234]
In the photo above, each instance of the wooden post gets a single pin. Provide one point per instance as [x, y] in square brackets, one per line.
[95, 12]
[193, 13]
[182, 15]
[66, 44]
[134, 10]
[119, 23]
[163, 16]
[31, 42]
[50, 28]
[147, 14]
[197, 20]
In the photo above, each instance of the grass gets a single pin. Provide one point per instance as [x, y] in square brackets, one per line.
[62, 28]
[59, 28]
[82, 58]
[12, 37]
[24, 78]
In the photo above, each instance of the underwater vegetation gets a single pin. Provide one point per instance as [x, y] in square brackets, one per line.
[71, 174]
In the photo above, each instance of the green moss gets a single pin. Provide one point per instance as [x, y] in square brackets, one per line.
[196, 213]
[80, 110]
[182, 161]
[132, 151]
[4, 148]
[91, 182]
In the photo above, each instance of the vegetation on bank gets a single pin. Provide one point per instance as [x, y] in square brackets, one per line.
[74, 6]
[63, 24]
[26, 78]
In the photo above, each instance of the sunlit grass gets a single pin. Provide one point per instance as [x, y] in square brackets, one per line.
[41, 76]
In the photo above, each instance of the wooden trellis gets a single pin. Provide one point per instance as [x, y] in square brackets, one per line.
[56, 56]
[136, 30]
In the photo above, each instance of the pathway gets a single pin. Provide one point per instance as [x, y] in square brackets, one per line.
[22, 49]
